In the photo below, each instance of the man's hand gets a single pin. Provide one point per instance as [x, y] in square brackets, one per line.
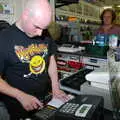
[61, 95]
[29, 102]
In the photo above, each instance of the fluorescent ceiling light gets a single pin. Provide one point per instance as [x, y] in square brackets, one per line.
[118, 5]
[105, 7]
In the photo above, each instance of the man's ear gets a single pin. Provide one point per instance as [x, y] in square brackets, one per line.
[25, 14]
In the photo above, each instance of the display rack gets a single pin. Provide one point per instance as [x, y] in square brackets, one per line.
[68, 63]
[85, 20]
[82, 10]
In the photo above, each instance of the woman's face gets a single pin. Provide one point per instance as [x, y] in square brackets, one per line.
[107, 18]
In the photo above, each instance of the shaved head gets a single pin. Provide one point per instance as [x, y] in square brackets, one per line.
[37, 7]
[37, 13]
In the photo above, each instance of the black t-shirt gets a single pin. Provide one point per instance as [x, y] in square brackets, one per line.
[24, 61]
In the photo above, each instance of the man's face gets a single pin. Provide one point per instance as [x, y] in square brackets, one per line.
[107, 18]
[34, 26]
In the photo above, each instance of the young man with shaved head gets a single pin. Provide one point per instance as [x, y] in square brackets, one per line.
[27, 62]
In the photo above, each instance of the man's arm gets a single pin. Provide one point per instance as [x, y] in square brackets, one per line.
[5, 88]
[28, 102]
[52, 70]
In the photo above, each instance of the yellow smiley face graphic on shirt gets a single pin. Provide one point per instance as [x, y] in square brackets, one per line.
[37, 64]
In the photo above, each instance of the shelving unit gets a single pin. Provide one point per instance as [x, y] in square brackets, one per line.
[86, 23]
[117, 10]
[82, 10]
[68, 63]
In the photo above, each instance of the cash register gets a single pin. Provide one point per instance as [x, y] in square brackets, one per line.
[82, 107]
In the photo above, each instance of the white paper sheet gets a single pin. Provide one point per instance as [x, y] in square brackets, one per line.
[56, 102]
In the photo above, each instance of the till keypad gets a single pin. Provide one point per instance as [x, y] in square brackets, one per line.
[69, 108]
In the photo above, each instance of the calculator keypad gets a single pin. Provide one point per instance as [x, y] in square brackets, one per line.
[69, 108]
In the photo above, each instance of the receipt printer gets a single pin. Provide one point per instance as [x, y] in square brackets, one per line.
[83, 107]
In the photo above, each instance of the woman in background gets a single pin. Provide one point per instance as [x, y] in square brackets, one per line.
[107, 19]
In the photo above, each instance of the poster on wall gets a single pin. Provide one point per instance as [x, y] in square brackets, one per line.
[6, 9]
[7, 12]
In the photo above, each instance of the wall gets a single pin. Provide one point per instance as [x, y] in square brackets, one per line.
[17, 7]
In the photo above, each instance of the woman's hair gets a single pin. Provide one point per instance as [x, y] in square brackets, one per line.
[108, 10]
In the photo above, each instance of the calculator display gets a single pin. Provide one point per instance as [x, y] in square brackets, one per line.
[82, 110]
